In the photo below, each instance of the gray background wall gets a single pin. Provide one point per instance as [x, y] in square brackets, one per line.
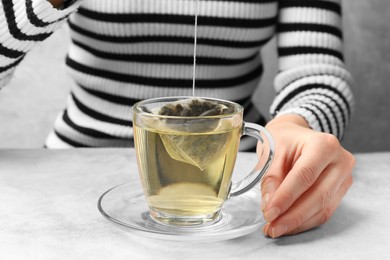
[30, 103]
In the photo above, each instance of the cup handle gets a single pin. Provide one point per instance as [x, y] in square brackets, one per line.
[266, 155]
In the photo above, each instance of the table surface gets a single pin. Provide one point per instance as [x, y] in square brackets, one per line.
[49, 210]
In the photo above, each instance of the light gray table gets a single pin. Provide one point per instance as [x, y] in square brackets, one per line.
[48, 211]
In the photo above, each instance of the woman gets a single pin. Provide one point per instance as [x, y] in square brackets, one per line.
[123, 51]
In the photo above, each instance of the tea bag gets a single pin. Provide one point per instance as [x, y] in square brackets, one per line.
[197, 149]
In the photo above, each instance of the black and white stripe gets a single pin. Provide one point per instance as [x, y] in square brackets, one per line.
[313, 81]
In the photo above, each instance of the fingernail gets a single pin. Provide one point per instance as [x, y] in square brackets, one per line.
[264, 201]
[278, 230]
[265, 229]
[272, 214]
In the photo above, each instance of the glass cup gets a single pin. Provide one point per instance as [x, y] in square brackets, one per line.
[186, 162]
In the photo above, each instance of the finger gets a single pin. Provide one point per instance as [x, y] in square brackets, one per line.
[265, 229]
[323, 216]
[291, 188]
[321, 201]
[272, 179]
[302, 176]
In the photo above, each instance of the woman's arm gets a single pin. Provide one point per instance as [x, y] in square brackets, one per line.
[311, 171]
[23, 23]
[312, 80]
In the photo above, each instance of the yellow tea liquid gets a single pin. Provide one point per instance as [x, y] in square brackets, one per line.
[186, 174]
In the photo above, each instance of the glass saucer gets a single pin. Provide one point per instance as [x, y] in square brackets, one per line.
[125, 206]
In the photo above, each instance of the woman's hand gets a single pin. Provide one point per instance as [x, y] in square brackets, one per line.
[57, 3]
[310, 174]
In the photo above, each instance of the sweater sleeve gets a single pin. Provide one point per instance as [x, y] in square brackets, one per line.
[312, 80]
[23, 23]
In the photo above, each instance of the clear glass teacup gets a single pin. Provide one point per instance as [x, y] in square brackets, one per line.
[186, 162]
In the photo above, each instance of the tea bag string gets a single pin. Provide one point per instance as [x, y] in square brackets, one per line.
[195, 43]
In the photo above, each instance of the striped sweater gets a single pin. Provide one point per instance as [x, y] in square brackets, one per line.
[123, 51]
